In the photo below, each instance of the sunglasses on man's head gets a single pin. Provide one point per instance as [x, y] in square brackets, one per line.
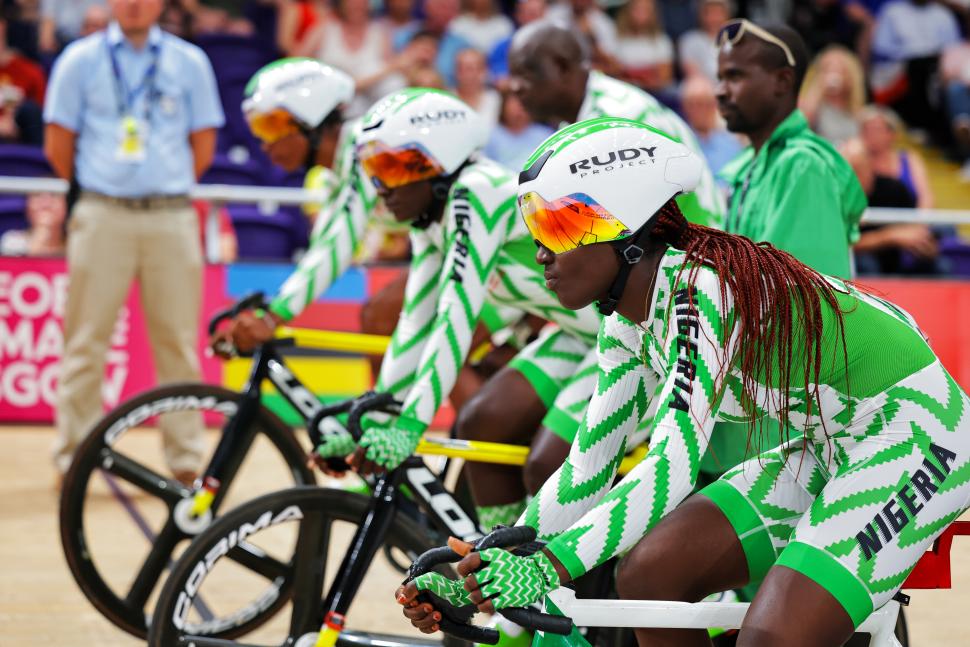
[733, 31]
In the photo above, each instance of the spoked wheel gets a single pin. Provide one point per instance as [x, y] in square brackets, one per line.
[298, 535]
[123, 518]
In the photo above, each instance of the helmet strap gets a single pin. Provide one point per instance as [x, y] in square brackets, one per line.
[313, 139]
[630, 253]
[440, 188]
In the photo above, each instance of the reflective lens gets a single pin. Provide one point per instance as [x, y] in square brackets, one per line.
[271, 127]
[394, 167]
[567, 223]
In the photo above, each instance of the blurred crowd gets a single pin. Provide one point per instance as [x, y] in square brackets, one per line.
[885, 72]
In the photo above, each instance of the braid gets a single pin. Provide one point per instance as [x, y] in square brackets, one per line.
[769, 286]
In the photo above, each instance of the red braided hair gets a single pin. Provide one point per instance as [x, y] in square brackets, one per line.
[769, 286]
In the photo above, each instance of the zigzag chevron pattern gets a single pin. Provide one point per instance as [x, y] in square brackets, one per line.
[515, 581]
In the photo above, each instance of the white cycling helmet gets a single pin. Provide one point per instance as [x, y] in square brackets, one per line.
[418, 134]
[301, 88]
[603, 180]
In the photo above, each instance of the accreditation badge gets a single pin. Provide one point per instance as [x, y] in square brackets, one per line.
[132, 139]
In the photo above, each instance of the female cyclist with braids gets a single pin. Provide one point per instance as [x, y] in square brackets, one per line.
[711, 326]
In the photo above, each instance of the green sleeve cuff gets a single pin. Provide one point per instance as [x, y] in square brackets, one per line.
[278, 307]
[411, 425]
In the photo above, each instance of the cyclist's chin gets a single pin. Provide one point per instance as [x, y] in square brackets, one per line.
[571, 299]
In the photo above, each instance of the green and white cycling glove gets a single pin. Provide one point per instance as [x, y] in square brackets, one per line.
[512, 581]
[451, 591]
[389, 445]
[337, 441]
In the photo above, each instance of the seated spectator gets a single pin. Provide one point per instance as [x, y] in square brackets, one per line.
[471, 74]
[644, 52]
[482, 25]
[225, 247]
[909, 37]
[425, 76]
[45, 237]
[399, 16]
[905, 248]
[21, 121]
[955, 72]
[833, 94]
[699, 103]
[515, 136]
[19, 71]
[60, 23]
[880, 130]
[824, 23]
[295, 19]
[438, 15]
[178, 21]
[589, 21]
[218, 17]
[361, 47]
[96, 19]
[697, 48]
[526, 11]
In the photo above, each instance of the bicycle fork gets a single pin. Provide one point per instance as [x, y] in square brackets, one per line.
[366, 542]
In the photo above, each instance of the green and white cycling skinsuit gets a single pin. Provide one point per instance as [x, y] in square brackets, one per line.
[336, 233]
[609, 97]
[479, 249]
[885, 470]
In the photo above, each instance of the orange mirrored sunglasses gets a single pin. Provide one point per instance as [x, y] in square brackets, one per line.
[569, 222]
[394, 167]
[270, 127]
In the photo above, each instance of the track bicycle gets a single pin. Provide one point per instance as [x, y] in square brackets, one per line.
[309, 529]
[107, 471]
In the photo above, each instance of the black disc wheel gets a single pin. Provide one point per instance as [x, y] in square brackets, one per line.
[124, 518]
[298, 535]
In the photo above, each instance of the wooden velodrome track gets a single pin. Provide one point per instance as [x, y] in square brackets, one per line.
[40, 604]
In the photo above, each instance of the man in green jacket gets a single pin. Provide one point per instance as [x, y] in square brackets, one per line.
[790, 188]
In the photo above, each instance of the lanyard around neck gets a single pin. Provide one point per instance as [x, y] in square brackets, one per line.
[126, 96]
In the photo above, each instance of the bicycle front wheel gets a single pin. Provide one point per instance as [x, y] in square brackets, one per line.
[298, 535]
[123, 519]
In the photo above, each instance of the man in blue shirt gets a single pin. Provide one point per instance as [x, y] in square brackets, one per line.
[131, 116]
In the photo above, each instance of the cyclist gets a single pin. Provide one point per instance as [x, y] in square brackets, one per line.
[711, 326]
[420, 149]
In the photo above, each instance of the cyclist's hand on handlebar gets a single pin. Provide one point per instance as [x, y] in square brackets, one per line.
[496, 579]
[385, 446]
[248, 330]
[423, 615]
[336, 443]
[221, 344]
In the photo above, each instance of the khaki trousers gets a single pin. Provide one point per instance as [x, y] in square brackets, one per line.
[109, 246]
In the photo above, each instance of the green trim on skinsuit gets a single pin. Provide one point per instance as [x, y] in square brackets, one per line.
[829, 573]
[561, 424]
[545, 387]
[751, 530]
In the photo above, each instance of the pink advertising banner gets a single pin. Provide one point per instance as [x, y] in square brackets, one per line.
[32, 296]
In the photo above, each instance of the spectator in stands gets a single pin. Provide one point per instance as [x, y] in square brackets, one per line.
[823, 23]
[20, 71]
[95, 19]
[361, 47]
[399, 16]
[516, 135]
[880, 131]
[471, 74]
[22, 87]
[224, 248]
[700, 110]
[644, 52]
[133, 217]
[909, 37]
[955, 72]
[45, 234]
[526, 11]
[790, 188]
[833, 94]
[425, 76]
[296, 19]
[593, 24]
[678, 17]
[904, 248]
[61, 22]
[697, 48]
[438, 15]
[178, 21]
[482, 25]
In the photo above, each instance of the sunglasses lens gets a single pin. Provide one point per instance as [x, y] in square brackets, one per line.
[272, 126]
[730, 32]
[567, 223]
[399, 166]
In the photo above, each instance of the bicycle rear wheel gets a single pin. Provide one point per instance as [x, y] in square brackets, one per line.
[299, 535]
[122, 519]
